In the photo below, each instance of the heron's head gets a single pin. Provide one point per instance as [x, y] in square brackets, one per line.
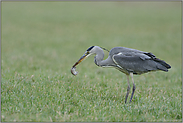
[88, 52]
[91, 50]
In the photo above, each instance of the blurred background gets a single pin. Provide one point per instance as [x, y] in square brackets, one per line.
[53, 35]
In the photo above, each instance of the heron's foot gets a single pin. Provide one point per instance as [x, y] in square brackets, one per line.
[132, 92]
[128, 91]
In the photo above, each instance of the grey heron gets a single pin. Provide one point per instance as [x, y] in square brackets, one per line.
[127, 60]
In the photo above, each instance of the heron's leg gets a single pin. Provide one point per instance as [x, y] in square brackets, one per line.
[128, 89]
[131, 74]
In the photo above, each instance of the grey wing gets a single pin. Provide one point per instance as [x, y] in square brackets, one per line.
[137, 63]
[125, 51]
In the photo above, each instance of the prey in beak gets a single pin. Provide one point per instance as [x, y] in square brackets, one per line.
[91, 50]
[73, 69]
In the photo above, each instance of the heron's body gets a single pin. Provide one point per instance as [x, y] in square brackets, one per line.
[127, 60]
[133, 61]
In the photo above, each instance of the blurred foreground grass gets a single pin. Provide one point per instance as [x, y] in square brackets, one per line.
[42, 40]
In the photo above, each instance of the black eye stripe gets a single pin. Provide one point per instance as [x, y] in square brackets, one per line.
[89, 48]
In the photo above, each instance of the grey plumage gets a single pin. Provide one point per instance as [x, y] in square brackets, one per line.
[127, 60]
[136, 61]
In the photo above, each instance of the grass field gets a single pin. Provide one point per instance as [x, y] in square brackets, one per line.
[42, 40]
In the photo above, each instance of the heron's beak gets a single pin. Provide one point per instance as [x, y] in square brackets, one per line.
[81, 59]
[73, 69]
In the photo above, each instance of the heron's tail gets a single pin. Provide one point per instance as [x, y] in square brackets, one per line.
[162, 65]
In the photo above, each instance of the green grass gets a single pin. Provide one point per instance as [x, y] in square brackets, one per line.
[42, 40]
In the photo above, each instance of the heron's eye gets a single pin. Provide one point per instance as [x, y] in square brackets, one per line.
[87, 53]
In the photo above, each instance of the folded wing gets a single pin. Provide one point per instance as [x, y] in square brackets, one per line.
[139, 63]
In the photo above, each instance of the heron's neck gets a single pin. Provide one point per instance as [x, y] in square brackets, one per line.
[99, 59]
